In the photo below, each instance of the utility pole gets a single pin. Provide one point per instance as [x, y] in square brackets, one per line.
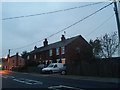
[117, 18]
[8, 59]
[118, 23]
[9, 52]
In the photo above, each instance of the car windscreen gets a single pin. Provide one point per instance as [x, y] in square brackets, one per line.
[51, 65]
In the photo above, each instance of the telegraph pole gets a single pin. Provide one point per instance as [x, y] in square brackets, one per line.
[118, 23]
[9, 52]
[117, 18]
[8, 59]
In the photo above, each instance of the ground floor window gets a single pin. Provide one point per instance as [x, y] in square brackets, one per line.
[63, 60]
[50, 61]
[58, 60]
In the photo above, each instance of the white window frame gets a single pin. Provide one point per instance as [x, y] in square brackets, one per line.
[35, 57]
[50, 52]
[58, 60]
[57, 51]
[28, 57]
[63, 50]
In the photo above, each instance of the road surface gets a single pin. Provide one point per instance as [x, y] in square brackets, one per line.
[50, 82]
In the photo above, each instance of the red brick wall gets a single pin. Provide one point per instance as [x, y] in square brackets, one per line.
[19, 63]
[73, 57]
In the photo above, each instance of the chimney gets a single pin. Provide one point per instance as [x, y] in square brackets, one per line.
[9, 53]
[62, 38]
[17, 59]
[35, 47]
[45, 42]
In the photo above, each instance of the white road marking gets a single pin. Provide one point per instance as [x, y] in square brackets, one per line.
[62, 86]
[23, 80]
[28, 81]
[71, 87]
[18, 80]
[10, 76]
[34, 81]
[7, 76]
[4, 76]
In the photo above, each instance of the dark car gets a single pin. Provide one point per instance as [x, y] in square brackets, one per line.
[40, 67]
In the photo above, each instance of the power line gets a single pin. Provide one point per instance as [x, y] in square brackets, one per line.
[67, 26]
[51, 12]
[80, 20]
[100, 25]
[27, 45]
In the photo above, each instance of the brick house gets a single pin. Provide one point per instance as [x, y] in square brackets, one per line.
[13, 61]
[67, 51]
[3, 60]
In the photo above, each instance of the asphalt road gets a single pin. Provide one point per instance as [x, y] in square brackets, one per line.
[48, 82]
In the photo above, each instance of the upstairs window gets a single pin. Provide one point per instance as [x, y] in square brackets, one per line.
[78, 50]
[62, 50]
[28, 57]
[50, 52]
[57, 51]
[35, 57]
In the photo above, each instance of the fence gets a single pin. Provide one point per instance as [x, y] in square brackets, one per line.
[109, 67]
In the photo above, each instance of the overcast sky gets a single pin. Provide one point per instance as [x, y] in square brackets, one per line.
[17, 33]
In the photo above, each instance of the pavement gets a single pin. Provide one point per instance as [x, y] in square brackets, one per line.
[88, 78]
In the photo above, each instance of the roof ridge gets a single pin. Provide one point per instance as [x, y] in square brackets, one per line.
[55, 44]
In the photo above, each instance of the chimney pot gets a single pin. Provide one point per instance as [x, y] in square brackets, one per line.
[45, 42]
[35, 47]
[62, 38]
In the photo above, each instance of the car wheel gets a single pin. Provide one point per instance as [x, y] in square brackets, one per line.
[63, 72]
[51, 71]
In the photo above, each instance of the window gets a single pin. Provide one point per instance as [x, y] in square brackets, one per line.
[50, 52]
[63, 60]
[28, 57]
[57, 51]
[50, 61]
[62, 50]
[78, 49]
[35, 57]
[58, 60]
[55, 66]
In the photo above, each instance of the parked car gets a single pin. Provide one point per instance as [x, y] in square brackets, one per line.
[53, 68]
[63, 70]
[40, 67]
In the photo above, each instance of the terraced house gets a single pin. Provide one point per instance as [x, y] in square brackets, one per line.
[13, 61]
[67, 51]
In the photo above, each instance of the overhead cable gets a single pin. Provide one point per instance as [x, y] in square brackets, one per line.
[51, 12]
[68, 26]
[80, 20]
[100, 25]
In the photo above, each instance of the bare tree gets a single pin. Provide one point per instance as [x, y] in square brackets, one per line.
[109, 44]
[105, 46]
[96, 47]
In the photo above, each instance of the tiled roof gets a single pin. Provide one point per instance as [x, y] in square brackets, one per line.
[55, 45]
